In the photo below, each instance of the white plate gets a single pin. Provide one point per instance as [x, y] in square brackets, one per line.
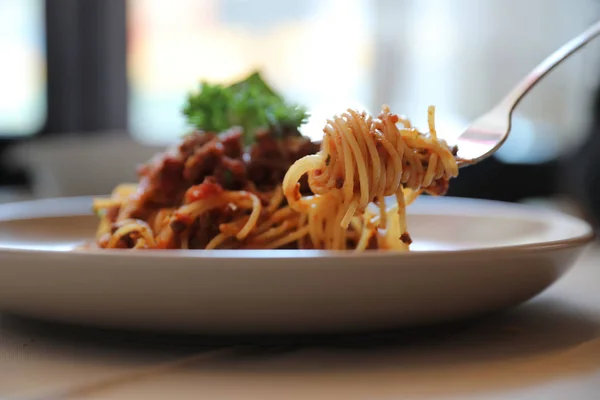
[470, 257]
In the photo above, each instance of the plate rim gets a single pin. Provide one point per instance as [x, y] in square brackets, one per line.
[586, 236]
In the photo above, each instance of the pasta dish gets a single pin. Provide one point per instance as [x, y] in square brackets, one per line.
[246, 178]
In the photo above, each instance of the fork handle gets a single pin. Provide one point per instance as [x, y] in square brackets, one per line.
[517, 93]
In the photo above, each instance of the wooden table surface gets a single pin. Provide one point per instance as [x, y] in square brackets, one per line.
[546, 349]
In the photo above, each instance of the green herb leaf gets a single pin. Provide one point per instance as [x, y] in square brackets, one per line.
[228, 177]
[250, 103]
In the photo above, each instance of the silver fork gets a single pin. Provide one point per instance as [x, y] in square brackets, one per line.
[484, 136]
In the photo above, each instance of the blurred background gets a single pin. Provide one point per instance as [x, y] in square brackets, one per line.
[90, 88]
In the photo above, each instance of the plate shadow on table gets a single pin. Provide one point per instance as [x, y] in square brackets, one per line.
[540, 341]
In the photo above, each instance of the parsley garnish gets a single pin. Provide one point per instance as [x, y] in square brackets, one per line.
[228, 178]
[250, 103]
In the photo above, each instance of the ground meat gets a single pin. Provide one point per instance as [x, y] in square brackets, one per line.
[405, 238]
[232, 143]
[194, 141]
[265, 147]
[220, 157]
[203, 230]
[203, 162]
[373, 243]
[127, 241]
[161, 185]
[270, 158]
[165, 179]
[178, 226]
[438, 187]
[208, 188]
[305, 147]
[231, 173]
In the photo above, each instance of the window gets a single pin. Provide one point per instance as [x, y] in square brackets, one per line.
[464, 55]
[305, 48]
[23, 67]
[460, 55]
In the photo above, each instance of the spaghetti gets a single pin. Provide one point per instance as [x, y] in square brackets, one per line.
[210, 192]
[362, 161]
